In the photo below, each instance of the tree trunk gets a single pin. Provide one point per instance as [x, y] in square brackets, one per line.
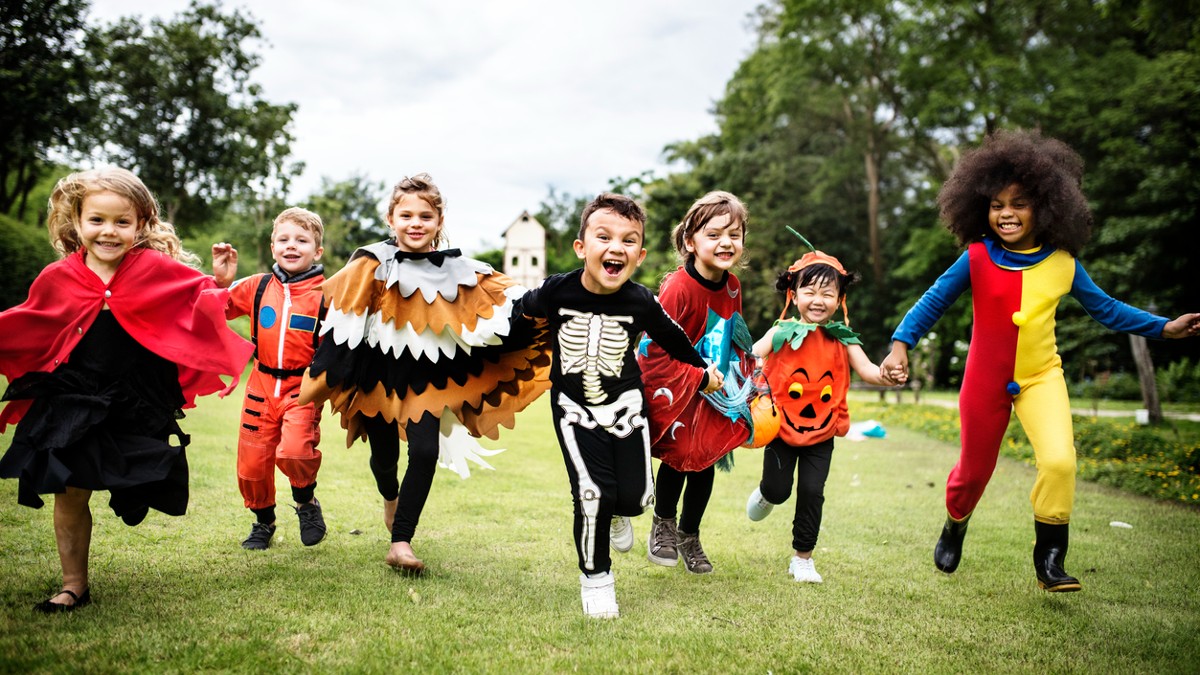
[872, 168]
[1145, 369]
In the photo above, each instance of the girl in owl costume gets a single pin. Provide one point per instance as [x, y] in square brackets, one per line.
[419, 346]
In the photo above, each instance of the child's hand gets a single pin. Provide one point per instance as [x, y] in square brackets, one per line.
[715, 380]
[224, 263]
[895, 366]
[1187, 325]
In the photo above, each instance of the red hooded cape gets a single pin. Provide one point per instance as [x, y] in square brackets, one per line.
[169, 308]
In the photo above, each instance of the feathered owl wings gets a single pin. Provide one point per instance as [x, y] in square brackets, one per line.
[407, 334]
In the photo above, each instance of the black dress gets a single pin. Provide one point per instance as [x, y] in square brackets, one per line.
[102, 421]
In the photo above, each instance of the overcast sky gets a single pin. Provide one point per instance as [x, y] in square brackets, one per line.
[497, 100]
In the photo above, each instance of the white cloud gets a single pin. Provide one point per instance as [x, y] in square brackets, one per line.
[496, 100]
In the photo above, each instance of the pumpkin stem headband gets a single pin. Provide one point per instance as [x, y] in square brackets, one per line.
[814, 257]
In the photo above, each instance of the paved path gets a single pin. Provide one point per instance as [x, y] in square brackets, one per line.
[1084, 412]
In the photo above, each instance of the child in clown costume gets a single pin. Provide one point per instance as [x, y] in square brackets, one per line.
[419, 342]
[1017, 205]
[807, 364]
[691, 432]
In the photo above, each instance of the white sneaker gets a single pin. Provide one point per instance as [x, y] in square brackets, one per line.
[758, 508]
[620, 534]
[599, 596]
[803, 570]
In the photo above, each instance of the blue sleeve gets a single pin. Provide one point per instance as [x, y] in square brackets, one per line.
[1111, 313]
[934, 303]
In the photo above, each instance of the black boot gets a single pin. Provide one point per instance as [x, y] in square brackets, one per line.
[1049, 556]
[948, 551]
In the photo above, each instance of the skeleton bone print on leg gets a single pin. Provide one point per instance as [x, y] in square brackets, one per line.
[622, 418]
[595, 345]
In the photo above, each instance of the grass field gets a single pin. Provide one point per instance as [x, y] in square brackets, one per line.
[501, 595]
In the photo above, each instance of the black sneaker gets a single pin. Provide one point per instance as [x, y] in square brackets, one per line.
[661, 545]
[693, 555]
[260, 537]
[312, 523]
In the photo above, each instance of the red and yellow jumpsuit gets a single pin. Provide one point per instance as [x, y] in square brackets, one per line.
[1013, 364]
[276, 430]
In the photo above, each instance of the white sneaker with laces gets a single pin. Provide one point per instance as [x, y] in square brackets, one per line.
[803, 570]
[757, 507]
[620, 534]
[599, 596]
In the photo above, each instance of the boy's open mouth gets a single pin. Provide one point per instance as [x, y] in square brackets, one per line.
[613, 267]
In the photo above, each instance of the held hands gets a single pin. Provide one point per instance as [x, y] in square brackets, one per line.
[224, 263]
[1187, 325]
[895, 366]
[715, 380]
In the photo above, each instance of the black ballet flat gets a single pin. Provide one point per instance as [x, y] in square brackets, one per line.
[47, 607]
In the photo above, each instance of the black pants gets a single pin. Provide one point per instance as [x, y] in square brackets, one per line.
[669, 487]
[811, 465]
[384, 438]
[607, 453]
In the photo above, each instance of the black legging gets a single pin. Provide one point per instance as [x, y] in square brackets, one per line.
[384, 438]
[811, 465]
[670, 485]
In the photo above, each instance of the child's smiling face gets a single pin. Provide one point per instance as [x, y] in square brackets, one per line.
[108, 226]
[294, 248]
[817, 301]
[717, 246]
[415, 223]
[611, 251]
[1011, 218]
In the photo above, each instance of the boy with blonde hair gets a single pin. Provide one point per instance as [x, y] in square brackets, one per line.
[285, 307]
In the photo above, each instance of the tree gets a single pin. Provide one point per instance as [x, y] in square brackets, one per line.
[177, 107]
[352, 211]
[43, 90]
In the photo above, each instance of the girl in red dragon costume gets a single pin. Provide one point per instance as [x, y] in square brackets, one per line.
[114, 340]
[691, 431]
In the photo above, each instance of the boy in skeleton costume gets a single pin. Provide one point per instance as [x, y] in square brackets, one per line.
[595, 315]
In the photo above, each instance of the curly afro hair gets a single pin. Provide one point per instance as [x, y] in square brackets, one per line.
[1050, 175]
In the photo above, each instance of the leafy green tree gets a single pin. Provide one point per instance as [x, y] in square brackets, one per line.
[352, 211]
[44, 83]
[178, 108]
[559, 213]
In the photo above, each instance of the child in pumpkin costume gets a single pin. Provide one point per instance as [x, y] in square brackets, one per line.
[807, 365]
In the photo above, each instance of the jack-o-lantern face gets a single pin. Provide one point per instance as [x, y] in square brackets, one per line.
[809, 383]
[807, 404]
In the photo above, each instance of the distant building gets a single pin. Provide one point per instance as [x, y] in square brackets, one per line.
[525, 251]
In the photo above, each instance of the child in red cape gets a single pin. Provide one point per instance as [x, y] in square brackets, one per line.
[115, 339]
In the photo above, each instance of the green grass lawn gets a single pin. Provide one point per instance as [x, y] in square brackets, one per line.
[502, 595]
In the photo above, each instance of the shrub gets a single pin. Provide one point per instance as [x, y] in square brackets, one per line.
[1180, 381]
[1161, 462]
[24, 251]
